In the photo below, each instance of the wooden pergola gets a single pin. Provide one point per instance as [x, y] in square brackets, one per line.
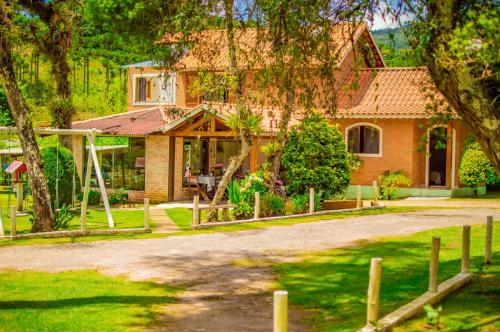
[92, 160]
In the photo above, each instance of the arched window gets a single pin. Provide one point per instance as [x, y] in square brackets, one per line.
[364, 139]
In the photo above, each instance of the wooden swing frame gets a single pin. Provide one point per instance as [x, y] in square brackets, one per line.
[92, 160]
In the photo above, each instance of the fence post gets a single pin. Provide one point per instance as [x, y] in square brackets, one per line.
[489, 239]
[359, 202]
[465, 248]
[433, 264]
[311, 200]
[19, 196]
[146, 213]
[256, 211]
[2, 231]
[13, 221]
[280, 312]
[372, 305]
[375, 192]
[196, 211]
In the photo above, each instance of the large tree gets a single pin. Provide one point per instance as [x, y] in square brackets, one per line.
[458, 40]
[41, 198]
[49, 27]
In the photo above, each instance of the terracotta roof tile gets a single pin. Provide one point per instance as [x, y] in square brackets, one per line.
[210, 48]
[142, 122]
[392, 92]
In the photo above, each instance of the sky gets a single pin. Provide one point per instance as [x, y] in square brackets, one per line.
[380, 22]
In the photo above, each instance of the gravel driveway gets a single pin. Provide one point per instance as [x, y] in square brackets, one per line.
[222, 296]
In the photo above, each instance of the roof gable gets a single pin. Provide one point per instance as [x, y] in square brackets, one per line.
[210, 50]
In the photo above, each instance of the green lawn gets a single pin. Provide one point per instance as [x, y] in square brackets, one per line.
[183, 217]
[333, 284]
[475, 308]
[78, 301]
[96, 219]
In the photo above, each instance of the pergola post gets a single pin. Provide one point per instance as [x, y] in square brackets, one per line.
[86, 190]
[104, 194]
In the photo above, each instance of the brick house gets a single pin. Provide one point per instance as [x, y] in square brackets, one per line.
[169, 130]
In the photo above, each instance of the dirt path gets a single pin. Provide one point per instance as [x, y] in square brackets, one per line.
[220, 295]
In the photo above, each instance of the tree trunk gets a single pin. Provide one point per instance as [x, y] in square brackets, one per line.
[465, 92]
[43, 217]
[63, 110]
[245, 135]
[282, 136]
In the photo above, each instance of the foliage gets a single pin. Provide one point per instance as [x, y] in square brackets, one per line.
[300, 203]
[251, 184]
[390, 182]
[433, 315]
[315, 156]
[93, 199]
[234, 192]
[475, 168]
[63, 217]
[60, 171]
[118, 196]
[6, 118]
[243, 211]
[355, 162]
[271, 205]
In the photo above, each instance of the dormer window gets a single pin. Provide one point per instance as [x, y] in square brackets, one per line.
[154, 89]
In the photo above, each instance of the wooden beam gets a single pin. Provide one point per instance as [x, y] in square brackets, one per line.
[54, 131]
[100, 180]
[86, 189]
[449, 142]
[253, 156]
[204, 134]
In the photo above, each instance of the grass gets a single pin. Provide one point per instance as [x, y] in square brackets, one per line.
[96, 219]
[475, 308]
[183, 218]
[495, 195]
[333, 284]
[78, 301]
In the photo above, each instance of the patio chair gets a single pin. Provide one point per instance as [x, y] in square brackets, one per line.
[193, 184]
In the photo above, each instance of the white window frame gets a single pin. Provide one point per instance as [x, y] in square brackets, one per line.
[159, 75]
[366, 124]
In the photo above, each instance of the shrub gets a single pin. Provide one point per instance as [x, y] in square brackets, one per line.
[243, 211]
[300, 203]
[118, 196]
[63, 217]
[233, 192]
[390, 182]
[475, 168]
[251, 184]
[94, 197]
[59, 168]
[272, 205]
[316, 156]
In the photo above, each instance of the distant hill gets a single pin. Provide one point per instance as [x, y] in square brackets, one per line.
[395, 48]
[394, 37]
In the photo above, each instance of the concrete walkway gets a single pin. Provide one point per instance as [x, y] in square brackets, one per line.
[162, 221]
[220, 295]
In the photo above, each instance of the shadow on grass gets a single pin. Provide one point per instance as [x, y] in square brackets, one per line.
[84, 301]
[334, 284]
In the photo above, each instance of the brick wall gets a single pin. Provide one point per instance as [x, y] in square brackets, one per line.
[397, 149]
[157, 150]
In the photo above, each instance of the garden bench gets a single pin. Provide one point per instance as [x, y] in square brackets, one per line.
[225, 211]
